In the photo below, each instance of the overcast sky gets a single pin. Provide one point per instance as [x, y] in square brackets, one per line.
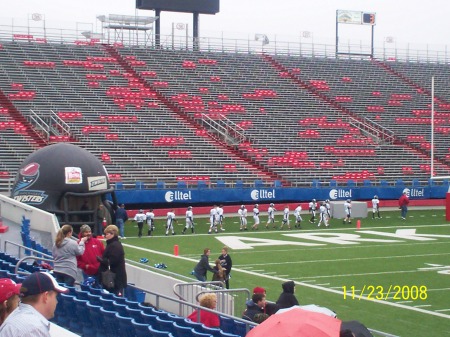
[406, 21]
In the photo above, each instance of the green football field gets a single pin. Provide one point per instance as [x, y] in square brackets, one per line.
[392, 275]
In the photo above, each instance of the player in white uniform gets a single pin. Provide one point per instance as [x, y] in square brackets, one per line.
[242, 212]
[285, 220]
[323, 215]
[140, 218]
[212, 219]
[189, 220]
[312, 209]
[219, 217]
[298, 217]
[150, 216]
[375, 207]
[348, 211]
[255, 217]
[271, 215]
[328, 207]
[170, 220]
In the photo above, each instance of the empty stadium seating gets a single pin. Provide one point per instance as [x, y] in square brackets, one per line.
[141, 110]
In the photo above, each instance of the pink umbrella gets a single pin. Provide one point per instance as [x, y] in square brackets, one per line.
[297, 323]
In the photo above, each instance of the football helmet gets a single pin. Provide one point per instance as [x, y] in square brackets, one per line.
[59, 178]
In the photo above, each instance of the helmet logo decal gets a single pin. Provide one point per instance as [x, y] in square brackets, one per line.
[97, 183]
[27, 177]
[73, 175]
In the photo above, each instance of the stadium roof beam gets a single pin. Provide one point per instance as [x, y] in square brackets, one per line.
[180, 6]
[128, 25]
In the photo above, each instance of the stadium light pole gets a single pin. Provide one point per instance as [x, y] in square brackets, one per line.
[432, 128]
[432, 176]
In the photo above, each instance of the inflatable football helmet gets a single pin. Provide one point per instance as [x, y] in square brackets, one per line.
[66, 180]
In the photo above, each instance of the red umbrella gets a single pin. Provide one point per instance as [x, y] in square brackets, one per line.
[297, 323]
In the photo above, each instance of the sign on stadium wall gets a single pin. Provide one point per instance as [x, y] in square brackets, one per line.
[277, 195]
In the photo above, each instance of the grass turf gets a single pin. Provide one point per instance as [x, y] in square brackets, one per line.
[399, 286]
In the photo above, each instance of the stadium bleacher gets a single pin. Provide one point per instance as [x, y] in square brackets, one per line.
[140, 111]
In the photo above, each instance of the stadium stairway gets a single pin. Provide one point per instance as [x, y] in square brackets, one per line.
[383, 133]
[15, 114]
[264, 173]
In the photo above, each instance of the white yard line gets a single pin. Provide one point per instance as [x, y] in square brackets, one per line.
[284, 278]
[346, 260]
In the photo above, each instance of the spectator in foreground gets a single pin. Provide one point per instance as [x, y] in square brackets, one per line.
[88, 262]
[203, 266]
[38, 304]
[270, 308]
[227, 264]
[254, 306]
[209, 319]
[220, 272]
[65, 252]
[287, 298]
[9, 297]
[114, 257]
[260, 317]
[346, 333]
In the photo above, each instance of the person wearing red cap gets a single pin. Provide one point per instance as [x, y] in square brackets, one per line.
[259, 290]
[269, 308]
[9, 297]
[37, 306]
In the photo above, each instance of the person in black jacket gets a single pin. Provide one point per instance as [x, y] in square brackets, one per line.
[254, 306]
[287, 298]
[227, 264]
[114, 256]
[203, 266]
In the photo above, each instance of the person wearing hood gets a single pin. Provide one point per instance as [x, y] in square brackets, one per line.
[254, 306]
[287, 298]
[88, 262]
[203, 266]
[65, 252]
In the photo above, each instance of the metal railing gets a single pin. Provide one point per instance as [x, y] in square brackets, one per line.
[224, 295]
[225, 129]
[48, 124]
[291, 46]
[230, 301]
[22, 248]
[39, 125]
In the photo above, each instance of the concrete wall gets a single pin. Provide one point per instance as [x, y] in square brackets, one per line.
[44, 225]
[359, 209]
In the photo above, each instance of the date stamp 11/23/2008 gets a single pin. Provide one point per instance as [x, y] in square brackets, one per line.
[385, 293]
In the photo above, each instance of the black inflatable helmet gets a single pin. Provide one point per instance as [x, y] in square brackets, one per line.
[59, 178]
